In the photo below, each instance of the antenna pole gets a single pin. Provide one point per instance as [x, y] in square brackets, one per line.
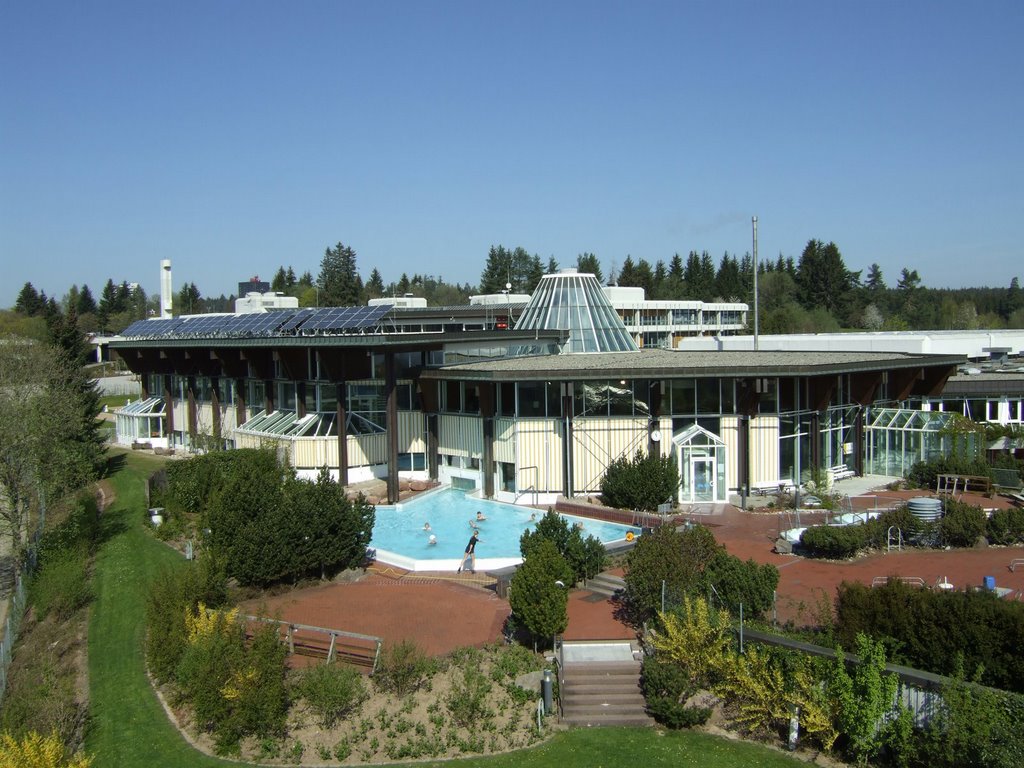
[754, 221]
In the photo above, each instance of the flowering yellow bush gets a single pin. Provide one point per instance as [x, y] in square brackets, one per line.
[206, 622]
[37, 751]
[695, 639]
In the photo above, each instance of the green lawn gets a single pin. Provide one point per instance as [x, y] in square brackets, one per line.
[130, 729]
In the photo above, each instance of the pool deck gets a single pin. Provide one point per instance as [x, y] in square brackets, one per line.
[442, 611]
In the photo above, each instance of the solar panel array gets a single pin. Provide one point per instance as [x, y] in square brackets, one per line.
[299, 322]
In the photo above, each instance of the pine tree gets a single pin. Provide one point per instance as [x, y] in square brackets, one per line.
[728, 283]
[29, 303]
[589, 263]
[279, 283]
[822, 279]
[552, 265]
[375, 285]
[628, 274]
[340, 284]
[86, 303]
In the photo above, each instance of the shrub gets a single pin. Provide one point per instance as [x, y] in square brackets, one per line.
[172, 596]
[61, 586]
[834, 542]
[678, 559]
[34, 750]
[78, 531]
[924, 474]
[672, 714]
[332, 691]
[209, 661]
[535, 597]
[256, 693]
[642, 482]
[585, 557]
[467, 702]
[745, 583]
[961, 525]
[403, 668]
[1006, 526]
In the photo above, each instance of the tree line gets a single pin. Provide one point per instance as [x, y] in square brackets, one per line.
[815, 293]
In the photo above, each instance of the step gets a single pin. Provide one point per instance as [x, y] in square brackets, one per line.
[615, 702]
[605, 584]
[584, 698]
[611, 718]
[601, 668]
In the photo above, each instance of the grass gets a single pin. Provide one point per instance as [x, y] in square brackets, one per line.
[131, 730]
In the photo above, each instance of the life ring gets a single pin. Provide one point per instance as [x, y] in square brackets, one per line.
[630, 535]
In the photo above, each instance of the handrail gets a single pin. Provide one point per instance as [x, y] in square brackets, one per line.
[559, 654]
[536, 480]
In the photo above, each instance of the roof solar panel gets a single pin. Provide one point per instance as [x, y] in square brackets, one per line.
[153, 328]
[297, 319]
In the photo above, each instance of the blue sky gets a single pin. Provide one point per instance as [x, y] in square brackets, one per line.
[234, 137]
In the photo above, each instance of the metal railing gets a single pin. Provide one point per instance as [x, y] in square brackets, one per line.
[333, 649]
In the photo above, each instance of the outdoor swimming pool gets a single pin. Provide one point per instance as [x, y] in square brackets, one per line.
[400, 539]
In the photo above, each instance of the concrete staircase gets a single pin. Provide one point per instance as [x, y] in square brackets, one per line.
[605, 584]
[598, 693]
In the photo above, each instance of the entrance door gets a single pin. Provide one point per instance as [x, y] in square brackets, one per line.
[702, 470]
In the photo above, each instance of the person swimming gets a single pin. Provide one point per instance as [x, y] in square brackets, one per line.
[426, 526]
[432, 540]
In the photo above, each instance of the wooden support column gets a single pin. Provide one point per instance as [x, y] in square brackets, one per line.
[567, 452]
[241, 397]
[487, 398]
[300, 399]
[269, 395]
[191, 412]
[215, 409]
[342, 421]
[391, 425]
[144, 378]
[654, 447]
[169, 404]
[815, 441]
[859, 448]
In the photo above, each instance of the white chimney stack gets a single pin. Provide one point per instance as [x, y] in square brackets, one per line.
[166, 292]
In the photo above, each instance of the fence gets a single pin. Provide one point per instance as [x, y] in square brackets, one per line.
[16, 603]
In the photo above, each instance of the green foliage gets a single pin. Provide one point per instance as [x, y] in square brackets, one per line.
[586, 557]
[834, 542]
[742, 582]
[403, 668]
[642, 482]
[467, 702]
[339, 283]
[924, 474]
[266, 525]
[234, 689]
[534, 596]
[170, 597]
[78, 531]
[674, 715]
[973, 726]
[61, 586]
[679, 559]
[932, 629]
[1006, 526]
[862, 699]
[961, 525]
[332, 691]
[666, 687]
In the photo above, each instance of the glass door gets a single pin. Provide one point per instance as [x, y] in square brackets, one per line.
[705, 480]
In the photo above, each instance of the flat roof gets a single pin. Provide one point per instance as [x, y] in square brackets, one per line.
[655, 363]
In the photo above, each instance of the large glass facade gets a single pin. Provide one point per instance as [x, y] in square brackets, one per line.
[898, 438]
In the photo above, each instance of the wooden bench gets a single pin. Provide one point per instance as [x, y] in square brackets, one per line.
[323, 643]
[778, 486]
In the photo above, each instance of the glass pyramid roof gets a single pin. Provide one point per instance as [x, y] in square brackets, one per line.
[573, 301]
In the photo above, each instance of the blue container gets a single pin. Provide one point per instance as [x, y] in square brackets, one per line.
[990, 583]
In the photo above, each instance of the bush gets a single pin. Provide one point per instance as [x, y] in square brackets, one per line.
[61, 586]
[924, 474]
[78, 531]
[403, 668]
[641, 483]
[585, 557]
[748, 583]
[332, 691]
[535, 597]
[467, 702]
[961, 525]
[834, 542]
[678, 559]
[34, 750]
[173, 594]
[1006, 526]
[674, 715]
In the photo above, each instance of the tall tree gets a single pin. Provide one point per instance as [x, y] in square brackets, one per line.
[589, 263]
[627, 274]
[552, 265]
[728, 283]
[823, 279]
[29, 302]
[86, 302]
[340, 284]
[375, 285]
[279, 283]
[189, 300]
[874, 281]
[48, 438]
[516, 267]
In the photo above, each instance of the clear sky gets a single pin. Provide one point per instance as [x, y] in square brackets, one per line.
[234, 137]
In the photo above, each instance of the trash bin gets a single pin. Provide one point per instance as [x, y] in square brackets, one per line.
[990, 583]
[546, 692]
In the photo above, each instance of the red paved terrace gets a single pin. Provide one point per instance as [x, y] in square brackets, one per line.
[441, 612]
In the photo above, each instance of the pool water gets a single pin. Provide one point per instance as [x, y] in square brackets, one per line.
[399, 537]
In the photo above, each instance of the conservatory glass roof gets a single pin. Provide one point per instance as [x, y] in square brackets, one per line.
[573, 301]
